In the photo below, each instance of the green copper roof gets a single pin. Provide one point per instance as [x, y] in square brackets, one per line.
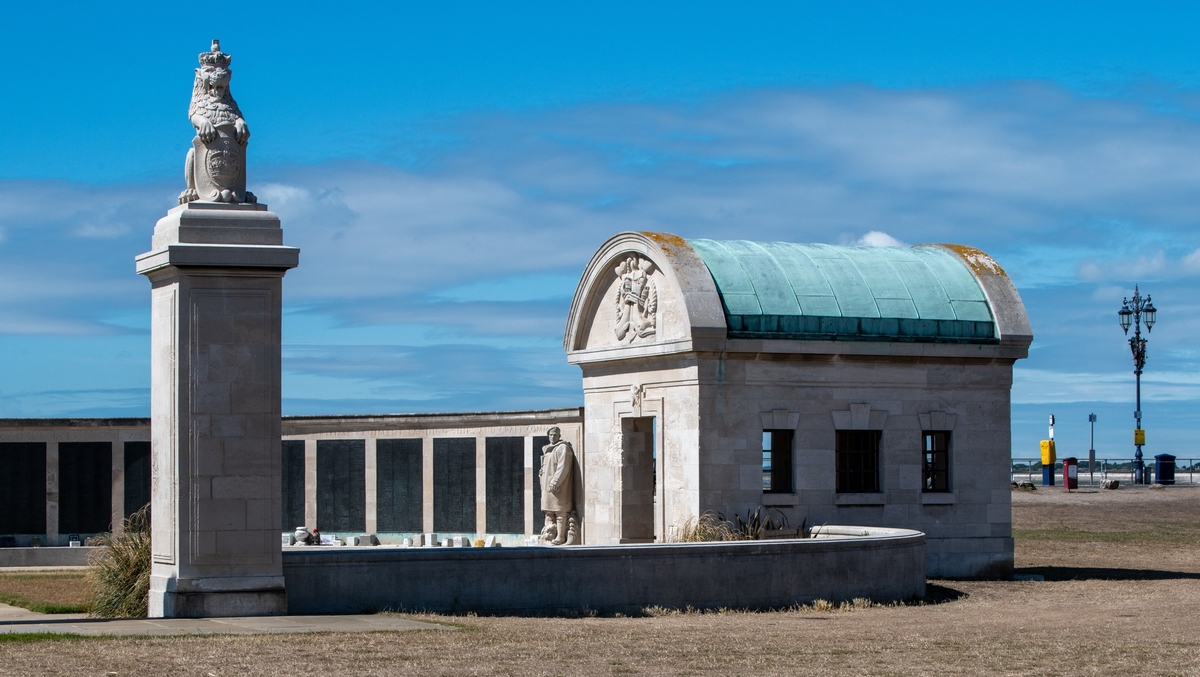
[816, 291]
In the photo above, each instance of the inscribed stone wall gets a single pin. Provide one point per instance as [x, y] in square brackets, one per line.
[341, 485]
[505, 485]
[292, 491]
[84, 487]
[399, 485]
[23, 488]
[137, 477]
[393, 482]
[454, 484]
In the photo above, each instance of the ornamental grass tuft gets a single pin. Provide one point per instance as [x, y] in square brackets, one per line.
[708, 527]
[118, 576]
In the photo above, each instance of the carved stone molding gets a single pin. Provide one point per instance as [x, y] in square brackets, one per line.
[859, 417]
[636, 392]
[780, 419]
[636, 299]
[937, 420]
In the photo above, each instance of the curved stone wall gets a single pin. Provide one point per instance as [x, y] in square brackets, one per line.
[840, 563]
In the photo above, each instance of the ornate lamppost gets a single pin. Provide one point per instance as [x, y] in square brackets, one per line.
[1133, 313]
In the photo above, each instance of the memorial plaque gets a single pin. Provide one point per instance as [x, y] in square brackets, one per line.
[23, 487]
[341, 485]
[454, 484]
[137, 476]
[84, 487]
[505, 485]
[398, 485]
[293, 485]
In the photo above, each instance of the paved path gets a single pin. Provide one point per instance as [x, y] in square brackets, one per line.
[15, 619]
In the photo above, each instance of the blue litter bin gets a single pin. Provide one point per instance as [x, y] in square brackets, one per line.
[1164, 469]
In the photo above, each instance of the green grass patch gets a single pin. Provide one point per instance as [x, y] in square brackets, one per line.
[42, 607]
[27, 637]
[1151, 534]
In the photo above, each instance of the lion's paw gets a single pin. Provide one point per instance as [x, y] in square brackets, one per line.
[188, 196]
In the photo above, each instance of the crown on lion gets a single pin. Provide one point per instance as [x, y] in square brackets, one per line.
[216, 57]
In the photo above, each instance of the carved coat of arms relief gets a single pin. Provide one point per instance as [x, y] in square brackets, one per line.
[636, 300]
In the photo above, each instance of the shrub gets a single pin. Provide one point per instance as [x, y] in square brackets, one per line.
[118, 576]
[708, 527]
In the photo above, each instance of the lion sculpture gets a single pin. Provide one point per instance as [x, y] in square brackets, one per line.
[215, 170]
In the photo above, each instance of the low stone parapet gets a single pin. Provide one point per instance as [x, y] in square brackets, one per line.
[849, 562]
[44, 557]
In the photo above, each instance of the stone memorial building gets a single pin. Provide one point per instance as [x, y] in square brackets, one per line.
[842, 385]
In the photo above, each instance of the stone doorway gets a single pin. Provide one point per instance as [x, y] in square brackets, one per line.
[639, 479]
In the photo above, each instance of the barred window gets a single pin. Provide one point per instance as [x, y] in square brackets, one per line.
[936, 462]
[857, 457]
[777, 461]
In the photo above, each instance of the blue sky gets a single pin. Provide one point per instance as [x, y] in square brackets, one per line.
[448, 169]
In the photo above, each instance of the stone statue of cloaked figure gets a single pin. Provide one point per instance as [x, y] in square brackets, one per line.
[557, 478]
[215, 169]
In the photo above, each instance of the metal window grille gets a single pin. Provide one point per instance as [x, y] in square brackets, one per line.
[936, 462]
[857, 457]
[777, 461]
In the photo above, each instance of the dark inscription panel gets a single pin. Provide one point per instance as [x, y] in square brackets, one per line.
[505, 485]
[398, 485]
[84, 487]
[137, 476]
[341, 485]
[22, 487]
[539, 517]
[454, 485]
[293, 485]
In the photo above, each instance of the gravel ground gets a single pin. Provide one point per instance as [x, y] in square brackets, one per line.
[1121, 596]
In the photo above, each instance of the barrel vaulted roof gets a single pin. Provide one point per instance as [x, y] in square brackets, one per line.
[815, 291]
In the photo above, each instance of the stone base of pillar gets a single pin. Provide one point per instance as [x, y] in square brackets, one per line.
[217, 273]
[205, 598]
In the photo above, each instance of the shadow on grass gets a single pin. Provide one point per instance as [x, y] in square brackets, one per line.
[940, 594]
[1105, 574]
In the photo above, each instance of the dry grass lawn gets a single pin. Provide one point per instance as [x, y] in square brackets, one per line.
[46, 592]
[1122, 597]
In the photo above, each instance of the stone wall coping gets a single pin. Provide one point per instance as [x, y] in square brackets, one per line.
[74, 422]
[301, 425]
[847, 538]
[475, 418]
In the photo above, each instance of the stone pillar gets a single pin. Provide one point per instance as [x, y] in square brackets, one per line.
[310, 483]
[371, 470]
[117, 501]
[216, 272]
[52, 493]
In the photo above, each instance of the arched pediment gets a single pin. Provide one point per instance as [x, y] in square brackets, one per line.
[642, 293]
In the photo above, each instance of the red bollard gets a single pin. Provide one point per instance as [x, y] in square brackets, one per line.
[1071, 473]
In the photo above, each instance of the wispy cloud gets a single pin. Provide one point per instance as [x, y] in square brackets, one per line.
[438, 275]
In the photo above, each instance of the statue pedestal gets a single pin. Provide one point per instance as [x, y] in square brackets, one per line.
[216, 272]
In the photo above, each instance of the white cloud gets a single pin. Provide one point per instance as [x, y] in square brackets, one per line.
[1191, 262]
[474, 245]
[877, 238]
[1048, 386]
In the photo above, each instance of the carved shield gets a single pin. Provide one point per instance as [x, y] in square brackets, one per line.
[220, 167]
[224, 161]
